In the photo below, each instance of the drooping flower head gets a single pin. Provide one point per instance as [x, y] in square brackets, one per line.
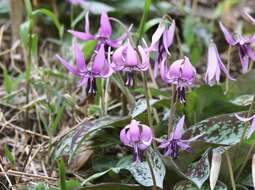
[162, 39]
[174, 142]
[103, 35]
[215, 66]
[181, 73]
[244, 46]
[252, 127]
[136, 136]
[99, 68]
[126, 58]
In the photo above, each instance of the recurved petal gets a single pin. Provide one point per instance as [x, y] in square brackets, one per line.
[168, 36]
[69, 67]
[179, 128]
[163, 70]
[105, 26]
[118, 58]
[250, 52]
[83, 82]
[252, 128]
[244, 58]
[243, 118]
[80, 61]
[82, 35]
[144, 65]
[249, 17]
[146, 135]
[134, 131]
[228, 36]
[158, 33]
[215, 169]
[131, 57]
[124, 136]
[86, 28]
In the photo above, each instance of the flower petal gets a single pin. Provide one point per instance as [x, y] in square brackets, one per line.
[123, 136]
[105, 26]
[117, 58]
[82, 35]
[169, 36]
[99, 60]
[157, 35]
[243, 118]
[69, 67]
[249, 17]
[86, 28]
[83, 82]
[80, 61]
[252, 128]
[177, 134]
[228, 36]
[134, 131]
[244, 58]
[131, 57]
[145, 62]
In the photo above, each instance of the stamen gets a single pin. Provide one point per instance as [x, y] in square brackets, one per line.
[130, 79]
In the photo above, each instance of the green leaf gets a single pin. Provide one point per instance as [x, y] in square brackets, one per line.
[95, 176]
[57, 119]
[8, 81]
[149, 24]
[53, 17]
[34, 44]
[188, 31]
[72, 184]
[24, 32]
[243, 85]
[88, 48]
[205, 101]
[9, 155]
[243, 100]
[62, 174]
[222, 129]
[112, 186]
[186, 185]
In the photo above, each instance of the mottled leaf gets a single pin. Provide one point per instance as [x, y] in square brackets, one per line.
[198, 172]
[186, 185]
[223, 129]
[243, 100]
[112, 186]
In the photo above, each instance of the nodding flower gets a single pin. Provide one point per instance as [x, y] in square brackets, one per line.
[136, 136]
[181, 73]
[127, 59]
[162, 39]
[215, 66]
[99, 68]
[174, 142]
[103, 35]
[252, 127]
[243, 43]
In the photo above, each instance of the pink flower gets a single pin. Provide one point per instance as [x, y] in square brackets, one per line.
[252, 127]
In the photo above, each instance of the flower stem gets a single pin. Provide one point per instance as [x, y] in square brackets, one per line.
[71, 16]
[152, 172]
[232, 179]
[172, 110]
[228, 68]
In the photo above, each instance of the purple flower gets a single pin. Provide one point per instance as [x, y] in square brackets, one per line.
[181, 73]
[249, 17]
[174, 142]
[104, 33]
[244, 45]
[99, 68]
[162, 39]
[137, 136]
[76, 2]
[127, 59]
[252, 127]
[214, 66]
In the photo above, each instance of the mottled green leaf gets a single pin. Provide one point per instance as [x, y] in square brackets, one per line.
[186, 185]
[112, 186]
[243, 100]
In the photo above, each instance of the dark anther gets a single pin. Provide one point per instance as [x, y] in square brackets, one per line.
[130, 79]
[91, 86]
[175, 149]
[181, 94]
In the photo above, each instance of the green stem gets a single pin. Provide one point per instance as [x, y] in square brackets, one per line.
[146, 11]
[172, 110]
[232, 179]
[71, 16]
[228, 68]
[152, 172]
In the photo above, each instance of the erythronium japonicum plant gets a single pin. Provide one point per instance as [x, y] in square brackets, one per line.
[138, 137]
[215, 66]
[161, 40]
[174, 142]
[127, 59]
[244, 46]
[99, 67]
[181, 73]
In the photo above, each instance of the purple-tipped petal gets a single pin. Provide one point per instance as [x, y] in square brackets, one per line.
[80, 61]
[131, 57]
[82, 35]
[169, 36]
[134, 131]
[179, 128]
[105, 26]
[228, 36]
[69, 67]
